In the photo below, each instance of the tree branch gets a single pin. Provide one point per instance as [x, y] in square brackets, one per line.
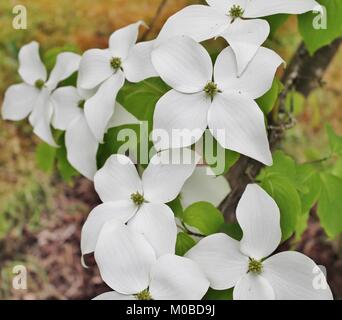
[304, 74]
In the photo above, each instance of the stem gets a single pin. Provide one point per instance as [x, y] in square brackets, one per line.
[154, 20]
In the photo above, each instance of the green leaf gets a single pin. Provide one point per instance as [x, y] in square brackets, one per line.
[219, 294]
[330, 205]
[45, 156]
[295, 103]
[141, 98]
[176, 207]
[203, 216]
[65, 169]
[269, 99]
[233, 230]
[286, 196]
[310, 183]
[184, 243]
[319, 37]
[50, 56]
[335, 141]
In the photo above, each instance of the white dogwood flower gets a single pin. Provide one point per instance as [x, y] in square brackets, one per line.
[224, 103]
[69, 116]
[129, 265]
[107, 69]
[246, 265]
[139, 201]
[235, 20]
[33, 97]
[204, 185]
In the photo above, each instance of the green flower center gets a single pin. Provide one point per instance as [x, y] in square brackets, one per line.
[144, 295]
[39, 84]
[81, 104]
[211, 89]
[236, 11]
[137, 198]
[116, 63]
[255, 266]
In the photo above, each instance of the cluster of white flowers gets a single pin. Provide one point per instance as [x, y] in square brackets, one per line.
[133, 233]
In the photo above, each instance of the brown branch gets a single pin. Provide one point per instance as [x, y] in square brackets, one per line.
[154, 20]
[304, 74]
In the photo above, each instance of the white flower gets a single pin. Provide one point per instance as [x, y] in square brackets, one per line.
[225, 104]
[246, 265]
[33, 96]
[139, 201]
[108, 69]
[129, 265]
[233, 20]
[204, 185]
[69, 116]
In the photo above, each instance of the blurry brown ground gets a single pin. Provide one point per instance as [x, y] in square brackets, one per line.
[41, 218]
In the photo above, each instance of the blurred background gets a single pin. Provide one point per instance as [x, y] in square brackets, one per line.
[41, 217]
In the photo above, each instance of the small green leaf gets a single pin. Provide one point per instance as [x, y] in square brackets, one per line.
[203, 216]
[269, 99]
[219, 294]
[233, 230]
[286, 196]
[316, 38]
[176, 207]
[330, 204]
[45, 156]
[184, 243]
[335, 141]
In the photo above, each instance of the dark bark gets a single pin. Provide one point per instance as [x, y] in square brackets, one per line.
[304, 74]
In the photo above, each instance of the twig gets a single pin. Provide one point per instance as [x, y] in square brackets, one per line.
[154, 20]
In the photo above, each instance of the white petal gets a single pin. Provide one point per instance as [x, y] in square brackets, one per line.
[237, 123]
[65, 102]
[121, 117]
[19, 101]
[253, 287]
[166, 174]
[220, 259]
[31, 67]
[197, 21]
[263, 8]
[112, 295]
[177, 278]
[122, 41]
[94, 68]
[180, 119]
[124, 258]
[203, 185]
[156, 222]
[255, 81]
[99, 109]
[259, 218]
[41, 118]
[66, 64]
[225, 5]
[81, 147]
[118, 179]
[119, 210]
[245, 38]
[183, 64]
[294, 276]
[138, 65]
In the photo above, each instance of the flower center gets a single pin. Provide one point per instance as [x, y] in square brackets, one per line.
[39, 84]
[211, 89]
[236, 11]
[144, 295]
[137, 198]
[81, 104]
[116, 63]
[255, 266]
